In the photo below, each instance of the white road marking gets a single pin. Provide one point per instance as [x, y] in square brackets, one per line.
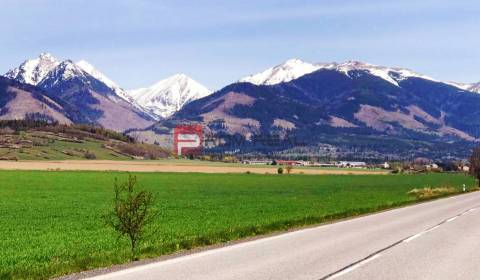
[433, 228]
[353, 267]
[197, 255]
[452, 219]
[414, 236]
[247, 244]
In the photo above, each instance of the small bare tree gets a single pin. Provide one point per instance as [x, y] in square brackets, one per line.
[132, 212]
[475, 164]
[289, 169]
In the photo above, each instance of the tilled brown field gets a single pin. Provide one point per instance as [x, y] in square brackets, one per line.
[141, 166]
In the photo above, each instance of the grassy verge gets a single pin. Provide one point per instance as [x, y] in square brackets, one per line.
[51, 221]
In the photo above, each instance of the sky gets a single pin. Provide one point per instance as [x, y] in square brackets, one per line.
[139, 42]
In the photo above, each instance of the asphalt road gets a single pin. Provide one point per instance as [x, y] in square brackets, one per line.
[434, 240]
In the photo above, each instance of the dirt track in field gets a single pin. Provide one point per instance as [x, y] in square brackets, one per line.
[145, 166]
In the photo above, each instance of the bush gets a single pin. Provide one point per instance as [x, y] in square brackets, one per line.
[141, 150]
[427, 193]
[280, 170]
[90, 155]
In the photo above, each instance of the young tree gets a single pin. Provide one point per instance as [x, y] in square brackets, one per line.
[289, 169]
[475, 164]
[132, 212]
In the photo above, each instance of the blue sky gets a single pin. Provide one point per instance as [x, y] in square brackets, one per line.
[138, 42]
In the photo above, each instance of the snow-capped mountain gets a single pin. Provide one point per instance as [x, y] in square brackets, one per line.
[357, 106]
[65, 71]
[158, 101]
[97, 74]
[295, 68]
[290, 70]
[83, 97]
[168, 96]
[33, 71]
[89, 100]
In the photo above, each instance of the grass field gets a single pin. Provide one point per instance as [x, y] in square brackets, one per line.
[57, 151]
[50, 222]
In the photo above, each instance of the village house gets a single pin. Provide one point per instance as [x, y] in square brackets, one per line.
[352, 164]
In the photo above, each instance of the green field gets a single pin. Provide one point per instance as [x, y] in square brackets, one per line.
[57, 150]
[50, 222]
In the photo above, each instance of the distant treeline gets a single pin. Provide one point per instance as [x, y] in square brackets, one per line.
[20, 125]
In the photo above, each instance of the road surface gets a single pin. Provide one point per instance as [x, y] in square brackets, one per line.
[434, 240]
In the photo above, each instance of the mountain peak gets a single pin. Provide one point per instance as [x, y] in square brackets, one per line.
[357, 63]
[285, 72]
[65, 71]
[33, 71]
[167, 96]
[293, 61]
[47, 56]
[68, 69]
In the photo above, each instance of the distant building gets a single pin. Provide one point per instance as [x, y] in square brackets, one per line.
[352, 164]
[257, 162]
[289, 162]
[385, 165]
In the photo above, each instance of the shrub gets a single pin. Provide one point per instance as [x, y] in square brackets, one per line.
[141, 150]
[280, 170]
[90, 155]
[427, 193]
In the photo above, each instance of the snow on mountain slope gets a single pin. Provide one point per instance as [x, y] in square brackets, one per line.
[475, 88]
[468, 87]
[295, 68]
[89, 100]
[168, 96]
[64, 71]
[290, 70]
[33, 71]
[392, 75]
[97, 74]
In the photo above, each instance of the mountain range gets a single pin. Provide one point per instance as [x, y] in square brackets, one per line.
[338, 109]
[345, 108]
[89, 96]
